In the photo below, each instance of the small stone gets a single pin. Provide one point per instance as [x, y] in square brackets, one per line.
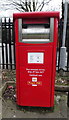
[58, 97]
[14, 116]
[15, 95]
[62, 81]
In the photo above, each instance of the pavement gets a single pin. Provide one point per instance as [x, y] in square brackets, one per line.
[0, 94]
[11, 110]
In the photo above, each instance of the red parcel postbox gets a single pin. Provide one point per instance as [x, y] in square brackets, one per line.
[36, 40]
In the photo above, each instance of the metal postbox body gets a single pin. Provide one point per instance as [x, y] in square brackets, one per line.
[36, 41]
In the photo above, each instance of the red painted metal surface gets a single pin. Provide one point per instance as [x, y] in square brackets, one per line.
[35, 95]
[32, 15]
[40, 92]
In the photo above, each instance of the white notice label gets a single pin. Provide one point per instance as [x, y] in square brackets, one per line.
[35, 57]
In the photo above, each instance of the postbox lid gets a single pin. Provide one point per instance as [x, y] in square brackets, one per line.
[32, 15]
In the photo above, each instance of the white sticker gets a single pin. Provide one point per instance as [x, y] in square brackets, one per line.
[34, 85]
[34, 79]
[35, 57]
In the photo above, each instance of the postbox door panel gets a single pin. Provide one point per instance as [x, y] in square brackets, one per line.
[35, 75]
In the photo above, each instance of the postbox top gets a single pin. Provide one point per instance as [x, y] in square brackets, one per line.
[28, 15]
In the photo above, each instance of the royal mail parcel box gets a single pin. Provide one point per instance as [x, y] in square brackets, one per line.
[36, 41]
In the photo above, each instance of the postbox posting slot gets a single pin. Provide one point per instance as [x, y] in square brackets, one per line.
[36, 33]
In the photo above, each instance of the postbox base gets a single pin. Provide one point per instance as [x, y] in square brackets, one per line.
[26, 105]
[51, 108]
